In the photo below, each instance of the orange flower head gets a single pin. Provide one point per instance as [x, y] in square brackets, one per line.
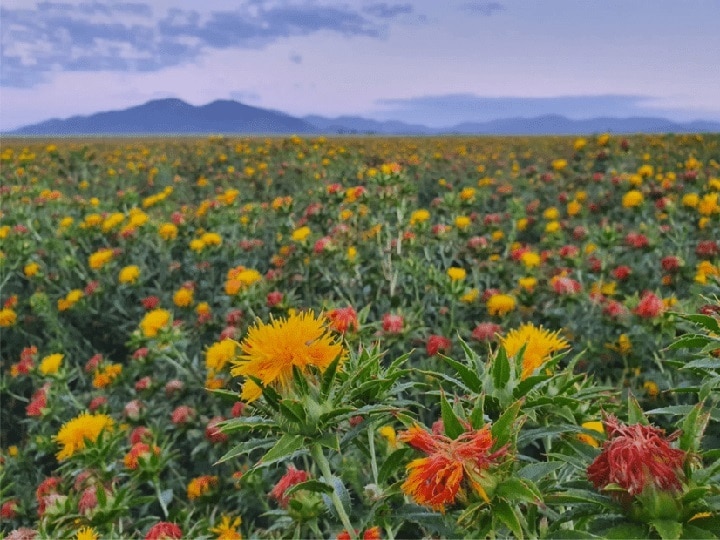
[437, 480]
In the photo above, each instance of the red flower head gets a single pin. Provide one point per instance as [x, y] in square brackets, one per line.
[621, 273]
[636, 457]
[436, 480]
[392, 323]
[38, 401]
[290, 478]
[140, 434]
[343, 319]
[150, 302]
[566, 285]
[164, 531]
[9, 509]
[97, 402]
[91, 287]
[650, 306]
[213, 433]
[92, 364]
[182, 414]
[274, 298]
[707, 249]
[670, 263]
[637, 240]
[139, 451]
[436, 343]
[485, 331]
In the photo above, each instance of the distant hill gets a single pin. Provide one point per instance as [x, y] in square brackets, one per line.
[174, 116]
[559, 125]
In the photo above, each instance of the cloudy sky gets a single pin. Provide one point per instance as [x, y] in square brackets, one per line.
[424, 61]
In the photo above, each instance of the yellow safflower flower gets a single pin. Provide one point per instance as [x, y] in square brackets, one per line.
[129, 274]
[154, 321]
[74, 434]
[50, 365]
[500, 304]
[301, 234]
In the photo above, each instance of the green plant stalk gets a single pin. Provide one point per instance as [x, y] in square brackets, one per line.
[373, 458]
[322, 462]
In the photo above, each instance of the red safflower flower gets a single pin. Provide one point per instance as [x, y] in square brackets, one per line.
[615, 309]
[9, 509]
[97, 402]
[621, 273]
[139, 451]
[566, 285]
[392, 323]
[274, 298]
[92, 364]
[322, 244]
[234, 317]
[91, 287]
[707, 248]
[38, 401]
[150, 302]
[485, 331]
[292, 477]
[88, 500]
[213, 433]
[637, 240]
[650, 306]
[238, 409]
[636, 457]
[182, 414]
[436, 480]
[436, 343]
[164, 531]
[343, 319]
[670, 263]
[140, 434]
[373, 533]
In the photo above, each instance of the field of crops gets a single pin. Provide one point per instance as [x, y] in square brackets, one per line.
[360, 337]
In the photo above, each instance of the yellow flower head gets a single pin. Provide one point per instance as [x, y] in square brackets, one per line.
[220, 354]
[589, 439]
[456, 274]
[8, 317]
[51, 364]
[31, 269]
[632, 199]
[100, 258]
[500, 304]
[154, 321]
[197, 487]
[183, 297]
[129, 274]
[419, 216]
[530, 259]
[559, 164]
[227, 530]
[74, 434]
[301, 234]
[168, 231]
[539, 345]
[87, 533]
[272, 350]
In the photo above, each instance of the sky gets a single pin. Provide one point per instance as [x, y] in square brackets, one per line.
[433, 62]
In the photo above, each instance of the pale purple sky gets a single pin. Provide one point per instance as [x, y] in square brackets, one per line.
[428, 61]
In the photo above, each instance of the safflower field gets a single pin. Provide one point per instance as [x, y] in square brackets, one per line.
[360, 337]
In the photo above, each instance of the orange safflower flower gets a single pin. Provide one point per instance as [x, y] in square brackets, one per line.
[438, 479]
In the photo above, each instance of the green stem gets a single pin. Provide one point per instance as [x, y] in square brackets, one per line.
[373, 459]
[322, 462]
[160, 499]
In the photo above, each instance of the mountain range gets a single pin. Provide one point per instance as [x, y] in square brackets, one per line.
[175, 117]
